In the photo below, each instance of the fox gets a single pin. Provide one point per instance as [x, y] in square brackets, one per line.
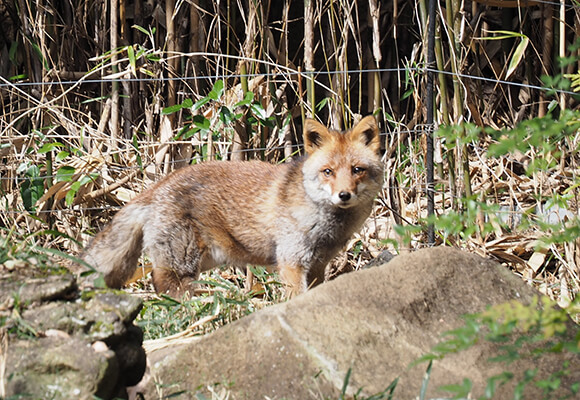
[293, 216]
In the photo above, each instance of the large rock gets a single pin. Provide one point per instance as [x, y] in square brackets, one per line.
[59, 343]
[373, 322]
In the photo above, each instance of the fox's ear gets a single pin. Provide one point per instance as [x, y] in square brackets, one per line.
[367, 131]
[314, 135]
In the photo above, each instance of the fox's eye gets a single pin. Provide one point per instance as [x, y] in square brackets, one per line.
[358, 170]
[327, 172]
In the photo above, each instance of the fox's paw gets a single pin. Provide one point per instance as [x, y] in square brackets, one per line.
[294, 279]
[168, 281]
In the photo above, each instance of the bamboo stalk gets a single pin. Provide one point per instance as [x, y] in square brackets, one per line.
[443, 103]
[171, 48]
[546, 61]
[375, 12]
[452, 25]
[308, 55]
[562, 46]
[114, 120]
[195, 42]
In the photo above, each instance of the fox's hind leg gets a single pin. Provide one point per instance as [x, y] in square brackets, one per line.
[176, 256]
[169, 281]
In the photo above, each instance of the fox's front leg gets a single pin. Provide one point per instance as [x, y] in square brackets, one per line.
[294, 278]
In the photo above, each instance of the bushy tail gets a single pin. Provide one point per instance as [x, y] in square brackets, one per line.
[116, 249]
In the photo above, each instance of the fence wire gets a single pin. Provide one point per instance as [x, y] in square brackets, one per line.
[5, 83]
[419, 130]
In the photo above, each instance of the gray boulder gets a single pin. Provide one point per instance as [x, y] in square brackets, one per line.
[373, 323]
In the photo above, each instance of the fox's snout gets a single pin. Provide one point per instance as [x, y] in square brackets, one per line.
[344, 199]
[344, 196]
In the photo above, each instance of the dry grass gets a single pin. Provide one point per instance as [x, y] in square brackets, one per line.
[77, 148]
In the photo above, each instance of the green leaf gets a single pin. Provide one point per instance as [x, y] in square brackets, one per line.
[32, 187]
[461, 391]
[132, 60]
[65, 173]
[45, 148]
[492, 383]
[187, 103]
[217, 90]
[171, 109]
[13, 51]
[518, 56]
[425, 382]
[135, 144]
[248, 99]
[61, 155]
[201, 122]
[18, 77]
[40, 55]
[322, 104]
[88, 178]
[201, 102]
[226, 116]
[141, 29]
[153, 58]
[502, 35]
[259, 112]
[70, 195]
[345, 383]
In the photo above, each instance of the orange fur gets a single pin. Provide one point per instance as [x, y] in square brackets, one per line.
[295, 216]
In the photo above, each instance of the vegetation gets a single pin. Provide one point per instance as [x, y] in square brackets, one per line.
[522, 332]
[223, 300]
[99, 99]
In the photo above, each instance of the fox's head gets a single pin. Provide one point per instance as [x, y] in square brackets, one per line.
[342, 169]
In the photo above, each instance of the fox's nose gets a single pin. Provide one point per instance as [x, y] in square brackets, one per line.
[344, 196]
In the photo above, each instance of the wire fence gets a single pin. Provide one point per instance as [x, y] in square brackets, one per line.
[418, 130]
[286, 73]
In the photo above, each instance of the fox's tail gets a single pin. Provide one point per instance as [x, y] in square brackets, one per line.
[116, 249]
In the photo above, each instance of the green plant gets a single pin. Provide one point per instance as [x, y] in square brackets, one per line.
[220, 119]
[223, 300]
[385, 394]
[520, 332]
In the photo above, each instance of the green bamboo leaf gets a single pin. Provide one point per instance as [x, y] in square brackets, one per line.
[40, 55]
[141, 29]
[518, 56]
[132, 60]
[503, 35]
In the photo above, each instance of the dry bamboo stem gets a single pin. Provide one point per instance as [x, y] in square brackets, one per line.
[308, 54]
[546, 60]
[171, 48]
[375, 15]
[562, 46]
[114, 121]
